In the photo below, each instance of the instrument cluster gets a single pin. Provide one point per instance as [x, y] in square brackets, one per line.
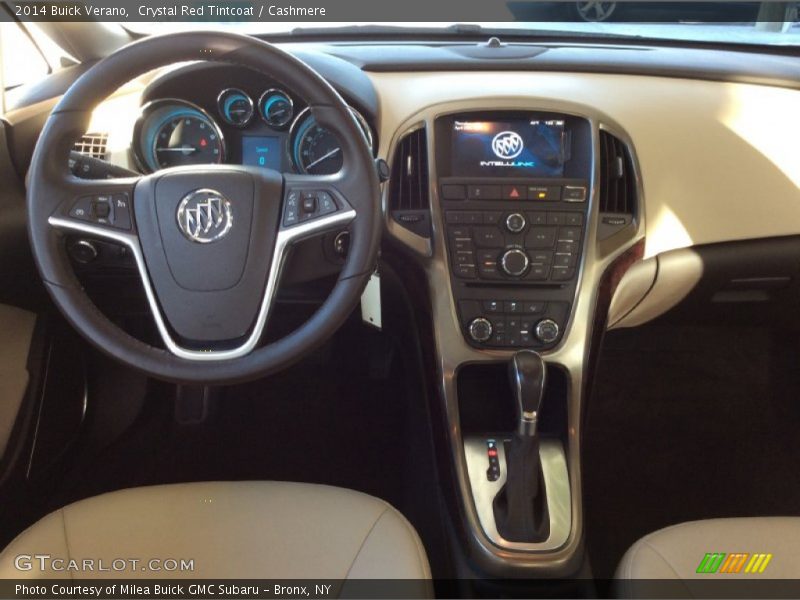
[265, 130]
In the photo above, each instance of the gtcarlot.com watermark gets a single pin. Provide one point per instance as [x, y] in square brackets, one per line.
[49, 563]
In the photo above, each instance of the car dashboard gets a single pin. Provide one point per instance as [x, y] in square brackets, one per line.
[543, 196]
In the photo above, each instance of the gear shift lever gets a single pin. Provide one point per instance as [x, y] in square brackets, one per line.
[528, 377]
[520, 508]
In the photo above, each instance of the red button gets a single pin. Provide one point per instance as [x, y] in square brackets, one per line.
[514, 192]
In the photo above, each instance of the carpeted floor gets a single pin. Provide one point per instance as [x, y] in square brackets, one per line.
[689, 423]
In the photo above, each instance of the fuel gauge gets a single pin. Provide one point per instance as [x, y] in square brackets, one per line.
[236, 107]
[276, 108]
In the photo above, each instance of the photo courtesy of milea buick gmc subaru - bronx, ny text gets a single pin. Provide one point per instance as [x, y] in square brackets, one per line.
[477, 299]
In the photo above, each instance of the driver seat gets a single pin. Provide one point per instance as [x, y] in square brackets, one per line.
[230, 530]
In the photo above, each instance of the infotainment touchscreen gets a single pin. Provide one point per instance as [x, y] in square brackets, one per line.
[514, 148]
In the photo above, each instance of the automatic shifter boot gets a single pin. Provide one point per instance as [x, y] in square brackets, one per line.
[520, 508]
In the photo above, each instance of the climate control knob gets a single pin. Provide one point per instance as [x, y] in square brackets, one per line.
[515, 222]
[480, 329]
[547, 331]
[514, 262]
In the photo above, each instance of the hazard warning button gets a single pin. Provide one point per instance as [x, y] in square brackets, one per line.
[515, 192]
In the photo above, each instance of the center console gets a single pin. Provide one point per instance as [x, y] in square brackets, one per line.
[514, 189]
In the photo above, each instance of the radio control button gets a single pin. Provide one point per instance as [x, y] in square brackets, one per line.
[465, 271]
[541, 238]
[566, 247]
[541, 257]
[483, 192]
[515, 222]
[538, 273]
[563, 273]
[563, 260]
[487, 264]
[465, 257]
[574, 193]
[569, 234]
[454, 192]
[575, 219]
[556, 218]
[488, 237]
[492, 217]
[515, 262]
[537, 218]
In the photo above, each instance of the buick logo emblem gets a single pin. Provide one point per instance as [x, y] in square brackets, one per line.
[507, 144]
[205, 216]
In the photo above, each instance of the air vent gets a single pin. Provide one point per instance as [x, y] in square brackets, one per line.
[409, 202]
[618, 195]
[93, 144]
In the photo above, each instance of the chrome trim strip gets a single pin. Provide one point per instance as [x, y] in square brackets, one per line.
[556, 489]
[285, 238]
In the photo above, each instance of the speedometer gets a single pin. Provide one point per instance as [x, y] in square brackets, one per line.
[317, 151]
[173, 133]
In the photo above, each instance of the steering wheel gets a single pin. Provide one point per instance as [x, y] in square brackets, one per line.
[209, 241]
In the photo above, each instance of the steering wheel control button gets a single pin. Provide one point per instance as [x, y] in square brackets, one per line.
[480, 330]
[515, 262]
[83, 251]
[341, 244]
[291, 213]
[547, 331]
[327, 204]
[103, 209]
[515, 222]
[309, 203]
[122, 211]
[82, 209]
[303, 205]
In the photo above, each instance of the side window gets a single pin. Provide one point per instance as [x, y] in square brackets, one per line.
[22, 62]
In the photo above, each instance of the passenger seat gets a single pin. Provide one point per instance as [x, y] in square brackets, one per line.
[751, 548]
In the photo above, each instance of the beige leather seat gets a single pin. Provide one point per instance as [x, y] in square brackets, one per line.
[17, 327]
[677, 552]
[263, 530]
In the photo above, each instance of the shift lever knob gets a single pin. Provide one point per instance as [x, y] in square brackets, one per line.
[527, 373]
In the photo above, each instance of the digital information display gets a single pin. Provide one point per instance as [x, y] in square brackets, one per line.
[261, 151]
[519, 148]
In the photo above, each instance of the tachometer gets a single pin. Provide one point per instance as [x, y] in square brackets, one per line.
[236, 107]
[276, 108]
[315, 150]
[174, 133]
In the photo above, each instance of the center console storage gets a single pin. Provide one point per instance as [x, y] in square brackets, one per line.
[514, 190]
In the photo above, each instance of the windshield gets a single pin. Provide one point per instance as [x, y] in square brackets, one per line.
[762, 23]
